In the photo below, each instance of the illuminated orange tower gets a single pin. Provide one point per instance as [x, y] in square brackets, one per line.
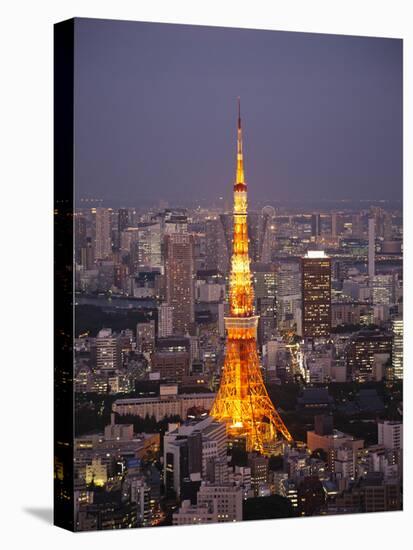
[242, 401]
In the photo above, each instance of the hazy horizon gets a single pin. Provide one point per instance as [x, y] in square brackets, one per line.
[155, 113]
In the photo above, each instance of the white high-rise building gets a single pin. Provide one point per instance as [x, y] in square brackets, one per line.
[140, 493]
[107, 350]
[288, 279]
[390, 434]
[200, 441]
[288, 291]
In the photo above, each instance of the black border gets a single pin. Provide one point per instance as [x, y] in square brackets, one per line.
[63, 273]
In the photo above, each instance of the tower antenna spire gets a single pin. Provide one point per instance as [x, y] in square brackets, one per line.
[240, 178]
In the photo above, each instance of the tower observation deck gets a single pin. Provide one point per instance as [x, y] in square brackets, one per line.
[242, 401]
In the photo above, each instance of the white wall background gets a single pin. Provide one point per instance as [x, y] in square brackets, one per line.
[26, 260]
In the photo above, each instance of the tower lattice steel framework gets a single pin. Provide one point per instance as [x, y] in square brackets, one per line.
[242, 401]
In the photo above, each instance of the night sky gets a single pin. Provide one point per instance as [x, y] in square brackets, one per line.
[155, 113]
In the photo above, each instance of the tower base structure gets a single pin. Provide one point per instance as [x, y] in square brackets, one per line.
[242, 401]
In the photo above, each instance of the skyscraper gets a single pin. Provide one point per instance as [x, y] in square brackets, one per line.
[179, 280]
[363, 346]
[149, 245]
[259, 232]
[103, 240]
[123, 219]
[316, 295]
[242, 401]
[216, 247]
[265, 293]
[334, 225]
[80, 235]
[315, 225]
[288, 294]
[123, 222]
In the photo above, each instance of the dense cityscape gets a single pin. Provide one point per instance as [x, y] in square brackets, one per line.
[153, 299]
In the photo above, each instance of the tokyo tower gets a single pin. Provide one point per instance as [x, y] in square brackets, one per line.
[242, 401]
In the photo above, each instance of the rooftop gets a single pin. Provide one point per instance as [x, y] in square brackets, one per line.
[316, 254]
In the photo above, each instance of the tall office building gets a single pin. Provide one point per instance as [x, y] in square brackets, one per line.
[123, 219]
[363, 347]
[288, 294]
[372, 249]
[149, 245]
[259, 231]
[188, 448]
[123, 222]
[216, 253]
[315, 225]
[390, 434]
[259, 471]
[316, 294]
[397, 348]
[334, 225]
[80, 236]
[179, 280]
[288, 279]
[264, 276]
[265, 238]
[87, 255]
[103, 238]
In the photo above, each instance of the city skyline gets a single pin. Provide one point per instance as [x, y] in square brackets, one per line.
[230, 316]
